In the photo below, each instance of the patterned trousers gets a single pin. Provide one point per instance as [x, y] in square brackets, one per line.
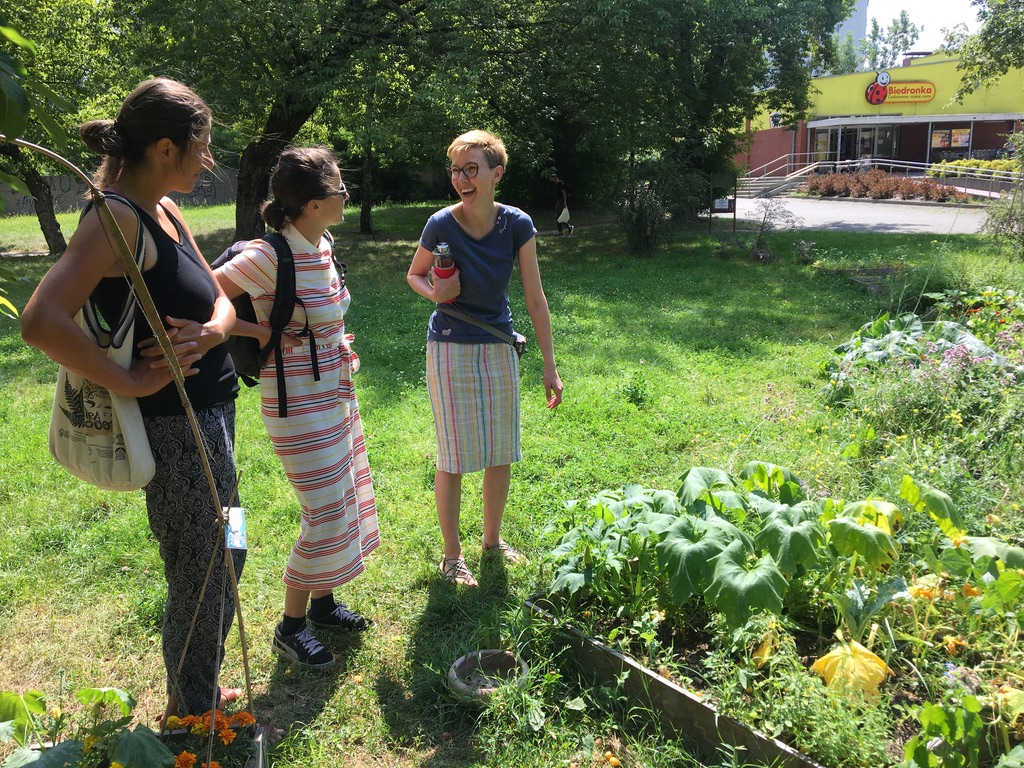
[183, 519]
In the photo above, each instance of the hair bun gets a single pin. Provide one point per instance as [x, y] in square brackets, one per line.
[102, 137]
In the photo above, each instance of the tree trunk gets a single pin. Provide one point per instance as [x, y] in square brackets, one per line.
[366, 192]
[40, 189]
[285, 120]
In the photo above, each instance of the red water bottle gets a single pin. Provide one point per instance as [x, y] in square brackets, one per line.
[444, 265]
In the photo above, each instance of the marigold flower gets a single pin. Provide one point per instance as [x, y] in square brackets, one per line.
[188, 721]
[185, 760]
[226, 736]
[89, 742]
[213, 764]
[993, 519]
[173, 723]
[116, 764]
[242, 718]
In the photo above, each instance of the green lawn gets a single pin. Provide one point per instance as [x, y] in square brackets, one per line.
[689, 357]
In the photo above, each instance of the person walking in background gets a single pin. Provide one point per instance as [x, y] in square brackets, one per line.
[320, 441]
[562, 194]
[473, 375]
[160, 143]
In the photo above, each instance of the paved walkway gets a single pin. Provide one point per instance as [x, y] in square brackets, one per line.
[872, 215]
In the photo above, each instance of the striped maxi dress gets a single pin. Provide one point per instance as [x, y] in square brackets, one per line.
[320, 442]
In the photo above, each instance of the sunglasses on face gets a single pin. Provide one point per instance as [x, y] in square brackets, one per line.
[343, 192]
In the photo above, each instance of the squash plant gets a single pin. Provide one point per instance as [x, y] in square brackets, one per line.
[904, 586]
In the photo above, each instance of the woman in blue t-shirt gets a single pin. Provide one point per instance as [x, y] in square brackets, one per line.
[472, 372]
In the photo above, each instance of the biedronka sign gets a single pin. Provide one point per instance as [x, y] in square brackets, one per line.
[887, 91]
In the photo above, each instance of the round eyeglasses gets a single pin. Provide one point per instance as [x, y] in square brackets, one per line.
[469, 170]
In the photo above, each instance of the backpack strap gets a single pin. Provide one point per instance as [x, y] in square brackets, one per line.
[281, 312]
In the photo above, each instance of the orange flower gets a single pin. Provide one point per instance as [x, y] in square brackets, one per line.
[185, 760]
[226, 736]
[953, 644]
[213, 764]
[968, 591]
[242, 718]
[921, 592]
[957, 538]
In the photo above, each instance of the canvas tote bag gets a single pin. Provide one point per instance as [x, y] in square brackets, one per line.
[96, 434]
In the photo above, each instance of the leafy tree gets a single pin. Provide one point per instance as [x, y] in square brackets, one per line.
[73, 51]
[995, 49]
[882, 49]
[847, 59]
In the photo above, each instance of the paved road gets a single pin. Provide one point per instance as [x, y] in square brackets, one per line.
[872, 216]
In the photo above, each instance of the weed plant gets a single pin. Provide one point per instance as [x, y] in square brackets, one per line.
[729, 352]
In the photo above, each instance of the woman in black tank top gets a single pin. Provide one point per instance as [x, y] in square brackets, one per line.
[159, 143]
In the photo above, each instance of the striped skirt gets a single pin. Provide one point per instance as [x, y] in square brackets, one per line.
[474, 393]
[323, 451]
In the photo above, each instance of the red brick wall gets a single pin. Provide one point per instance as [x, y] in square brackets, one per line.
[769, 145]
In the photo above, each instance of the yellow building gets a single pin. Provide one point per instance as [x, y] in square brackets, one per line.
[905, 113]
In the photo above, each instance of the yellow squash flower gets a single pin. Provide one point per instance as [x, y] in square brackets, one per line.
[852, 666]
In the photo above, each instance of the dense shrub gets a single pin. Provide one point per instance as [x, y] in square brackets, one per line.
[954, 168]
[879, 185]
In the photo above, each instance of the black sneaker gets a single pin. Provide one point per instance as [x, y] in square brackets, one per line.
[571, 228]
[340, 618]
[302, 648]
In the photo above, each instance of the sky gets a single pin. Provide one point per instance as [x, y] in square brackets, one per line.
[933, 15]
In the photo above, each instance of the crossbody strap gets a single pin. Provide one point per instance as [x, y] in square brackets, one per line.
[478, 323]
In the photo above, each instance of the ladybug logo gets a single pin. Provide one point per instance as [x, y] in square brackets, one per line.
[877, 91]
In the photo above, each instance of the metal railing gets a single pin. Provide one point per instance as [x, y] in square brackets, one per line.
[797, 166]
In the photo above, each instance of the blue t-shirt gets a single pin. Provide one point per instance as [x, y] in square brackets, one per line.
[485, 271]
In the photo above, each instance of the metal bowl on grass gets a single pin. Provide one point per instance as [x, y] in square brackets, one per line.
[473, 678]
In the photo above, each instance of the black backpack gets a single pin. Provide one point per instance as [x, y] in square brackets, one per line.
[247, 355]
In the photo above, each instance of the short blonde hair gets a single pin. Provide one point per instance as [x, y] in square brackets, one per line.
[493, 147]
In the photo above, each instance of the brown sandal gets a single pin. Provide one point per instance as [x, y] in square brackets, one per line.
[455, 570]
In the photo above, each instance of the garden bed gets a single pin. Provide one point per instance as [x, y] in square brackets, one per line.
[676, 707]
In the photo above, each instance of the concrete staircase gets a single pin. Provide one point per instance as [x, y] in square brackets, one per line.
[768, 186]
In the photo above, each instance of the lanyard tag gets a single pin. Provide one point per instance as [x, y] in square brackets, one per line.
[234, 531]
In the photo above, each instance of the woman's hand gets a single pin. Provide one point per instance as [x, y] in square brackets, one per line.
[445, 288]
[151, 372]
[552, 388]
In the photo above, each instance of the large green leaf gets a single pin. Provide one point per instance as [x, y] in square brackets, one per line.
[17, 710]
[981, 546]
[115, 696]
[1005, 593]
[23, 756]
[792, 536]
[739, 591]
[141, 749]
[69, 753]
[772, 481]
[868, 541]
[687, 551]
[881, 514]
[922, 497]
[698, 482]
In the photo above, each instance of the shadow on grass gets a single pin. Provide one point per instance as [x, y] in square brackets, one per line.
[456, 620]
[294, 695]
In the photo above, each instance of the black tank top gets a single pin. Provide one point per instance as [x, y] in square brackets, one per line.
[181, 287]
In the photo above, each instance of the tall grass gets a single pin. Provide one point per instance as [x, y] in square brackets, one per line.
[674, 360]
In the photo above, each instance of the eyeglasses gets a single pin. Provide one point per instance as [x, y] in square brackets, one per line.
[469, 170]
[343, 192]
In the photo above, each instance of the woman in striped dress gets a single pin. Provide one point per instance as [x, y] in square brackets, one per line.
[473, 375]
[320, 441]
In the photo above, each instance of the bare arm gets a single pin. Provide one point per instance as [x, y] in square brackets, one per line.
[48, 321]
[421, 278]
[540, 317]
